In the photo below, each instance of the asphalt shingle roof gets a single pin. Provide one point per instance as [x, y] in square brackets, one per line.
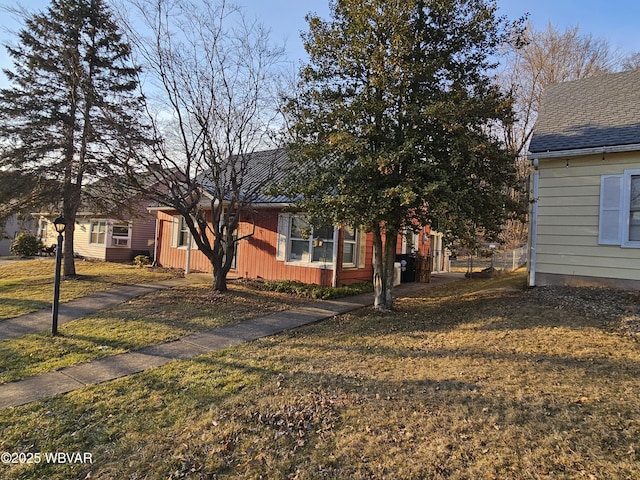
[263, 168]
[595, 112]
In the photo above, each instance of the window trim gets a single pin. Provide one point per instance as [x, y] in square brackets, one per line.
[115, 237]
[97, 223]
[612, 186]
[179, 226]
[625, 209]
[326, 263]
[356, 248]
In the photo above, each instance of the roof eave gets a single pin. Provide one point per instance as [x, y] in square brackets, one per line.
[579, 152]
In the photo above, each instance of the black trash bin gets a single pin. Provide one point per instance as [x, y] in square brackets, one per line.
[407, 267]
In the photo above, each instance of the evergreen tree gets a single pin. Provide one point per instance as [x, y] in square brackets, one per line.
[392, 123]
[69, 116]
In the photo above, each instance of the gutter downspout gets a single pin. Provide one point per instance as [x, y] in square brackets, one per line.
[155, 243]
[533, 230]
[187, 257]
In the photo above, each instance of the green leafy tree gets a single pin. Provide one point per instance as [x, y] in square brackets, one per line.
[392, 124]
[69, 116]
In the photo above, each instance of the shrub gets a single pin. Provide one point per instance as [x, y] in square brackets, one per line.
[26, 244]
[316, 291]
[142, 260]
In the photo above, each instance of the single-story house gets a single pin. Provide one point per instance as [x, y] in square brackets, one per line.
[282, 244]
[114, 236]
[585, 209]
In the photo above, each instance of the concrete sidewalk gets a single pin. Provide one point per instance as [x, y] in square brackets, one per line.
[65, 380]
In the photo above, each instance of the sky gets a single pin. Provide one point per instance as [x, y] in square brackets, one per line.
[612, 20]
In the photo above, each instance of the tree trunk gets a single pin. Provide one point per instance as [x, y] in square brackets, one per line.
[219, 281]
[219, 275]
[384, 256]
[378, 268]
[68, 261]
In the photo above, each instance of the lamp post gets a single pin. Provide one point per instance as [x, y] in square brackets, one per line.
[59, 224]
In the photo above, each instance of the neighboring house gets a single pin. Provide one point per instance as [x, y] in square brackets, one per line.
[585, 215]
[115, 236]
[282, 245]
[12, 227]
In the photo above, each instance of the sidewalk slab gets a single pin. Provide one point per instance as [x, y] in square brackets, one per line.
[108, 368]
[30, 389]
[112, 367]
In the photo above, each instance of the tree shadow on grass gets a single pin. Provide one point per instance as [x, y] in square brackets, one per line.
[14, 307]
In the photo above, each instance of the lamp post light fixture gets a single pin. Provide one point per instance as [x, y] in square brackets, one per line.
[60, 224]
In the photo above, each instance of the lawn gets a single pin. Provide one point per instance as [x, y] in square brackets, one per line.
[146, 320]
[27, 286]
[478, 379]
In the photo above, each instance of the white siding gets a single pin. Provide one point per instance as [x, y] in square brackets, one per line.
[568, 216]
[81, 238]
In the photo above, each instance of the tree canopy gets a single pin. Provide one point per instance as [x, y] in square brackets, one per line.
[393, 122]
[70, 115]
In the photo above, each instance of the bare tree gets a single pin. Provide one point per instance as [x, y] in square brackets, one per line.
[213, 77]
[631, 61]
[543, 58]
[532, 62]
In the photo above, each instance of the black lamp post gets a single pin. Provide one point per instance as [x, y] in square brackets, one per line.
[60, 224]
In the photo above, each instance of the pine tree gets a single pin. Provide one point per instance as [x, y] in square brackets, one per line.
[70, 114]
[392, 121]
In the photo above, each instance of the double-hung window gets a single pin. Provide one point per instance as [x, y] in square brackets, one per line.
[301, 242]
[350, 247]
[180, 235]
[97, 232]
[619, 222]
[299, 245]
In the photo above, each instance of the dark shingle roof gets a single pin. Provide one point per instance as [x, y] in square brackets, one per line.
[262, 169]
[595, 112]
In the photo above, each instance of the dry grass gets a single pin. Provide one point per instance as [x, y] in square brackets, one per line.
[480, 379]
[147, 320]
[27, 286]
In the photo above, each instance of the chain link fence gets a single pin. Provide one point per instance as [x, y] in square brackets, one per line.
[500, 260]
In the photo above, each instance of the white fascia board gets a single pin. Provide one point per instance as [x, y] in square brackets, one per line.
[581, 152]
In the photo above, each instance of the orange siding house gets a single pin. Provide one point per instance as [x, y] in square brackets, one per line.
[280, 245]
[275, 251]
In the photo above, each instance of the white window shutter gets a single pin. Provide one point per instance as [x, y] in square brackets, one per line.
[610, 224]
[362, 248]
[282, 236]
[175, 230]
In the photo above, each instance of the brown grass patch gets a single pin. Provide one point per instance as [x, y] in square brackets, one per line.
[474, 380]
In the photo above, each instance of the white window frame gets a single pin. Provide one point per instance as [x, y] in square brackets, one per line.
[180, 235]
[103, 232]
[284, 239]
[283, 247]
[312, 245]
[120, 241]
[615, 205]
[626, 209]
[356, 248]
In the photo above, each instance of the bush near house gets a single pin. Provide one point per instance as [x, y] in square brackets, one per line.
[26, 244]
[142, 260]
[316, 291]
